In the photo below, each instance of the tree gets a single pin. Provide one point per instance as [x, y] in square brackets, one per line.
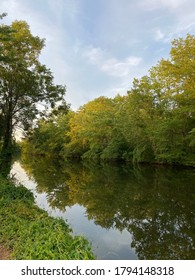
[49, 136]
[154, 122]
[175, 78]
[158, 117]
[24, 81]
[135, 116]
[93, 130]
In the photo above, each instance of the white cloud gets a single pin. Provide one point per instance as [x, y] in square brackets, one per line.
[94, 55]
[159, 35]
[61, 9]
[98, 48]
[111, 65]
[11, 5]
[159, 4]
[118, 68]
[39, 23]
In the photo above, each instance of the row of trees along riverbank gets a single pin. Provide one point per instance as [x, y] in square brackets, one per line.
[153, 122]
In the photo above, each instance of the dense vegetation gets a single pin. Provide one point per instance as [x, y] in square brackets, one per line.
[154, 122]
[30, 233]
[26, 91]
[26, 85]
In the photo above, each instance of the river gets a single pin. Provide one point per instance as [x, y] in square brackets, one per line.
[126, 212]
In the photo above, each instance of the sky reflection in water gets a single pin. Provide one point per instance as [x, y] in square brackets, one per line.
[126, 212]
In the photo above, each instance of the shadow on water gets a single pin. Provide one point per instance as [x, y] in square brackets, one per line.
[154, 204]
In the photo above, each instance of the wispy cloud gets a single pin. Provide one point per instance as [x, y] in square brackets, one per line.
[95, 55]
[111, 65]
[159, 35]
[155, 5]
[118, 68]
[98, 47]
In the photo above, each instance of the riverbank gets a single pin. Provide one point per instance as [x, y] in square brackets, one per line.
[4, 253]
[27, 232]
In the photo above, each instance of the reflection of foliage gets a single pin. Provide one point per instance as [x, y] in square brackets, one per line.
[50, 178]
[153, 204]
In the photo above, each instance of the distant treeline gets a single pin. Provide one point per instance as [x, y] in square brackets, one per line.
[154, 122]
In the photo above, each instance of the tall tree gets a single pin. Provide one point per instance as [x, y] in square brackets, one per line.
[91, 128]
[24, 81]
[175, 78]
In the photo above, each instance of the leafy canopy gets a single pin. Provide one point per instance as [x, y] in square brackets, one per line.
[25, 83]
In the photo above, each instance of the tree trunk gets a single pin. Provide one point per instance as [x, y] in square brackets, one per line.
[7, 139]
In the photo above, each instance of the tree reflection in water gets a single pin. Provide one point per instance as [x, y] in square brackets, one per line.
[155, 204]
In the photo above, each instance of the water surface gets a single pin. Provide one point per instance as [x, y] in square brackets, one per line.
[126, 212]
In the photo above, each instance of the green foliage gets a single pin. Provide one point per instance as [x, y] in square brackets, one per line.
[24, 81]
[49, 137]
[154, 122]
[92, 127]
[31, 234]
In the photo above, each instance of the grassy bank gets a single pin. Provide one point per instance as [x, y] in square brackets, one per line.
[29, 233]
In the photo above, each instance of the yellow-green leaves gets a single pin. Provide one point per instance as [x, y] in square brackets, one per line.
[24, 82]
[154, 122]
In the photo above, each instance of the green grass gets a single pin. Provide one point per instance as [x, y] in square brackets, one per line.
[30, 234]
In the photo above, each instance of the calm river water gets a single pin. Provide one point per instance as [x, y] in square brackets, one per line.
[125, 212]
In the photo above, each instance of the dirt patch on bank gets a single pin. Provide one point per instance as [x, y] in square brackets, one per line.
[4, 253]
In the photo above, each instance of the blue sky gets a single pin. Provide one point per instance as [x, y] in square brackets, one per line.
[97, 47]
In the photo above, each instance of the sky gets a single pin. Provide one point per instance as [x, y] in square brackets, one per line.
[97, 47]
